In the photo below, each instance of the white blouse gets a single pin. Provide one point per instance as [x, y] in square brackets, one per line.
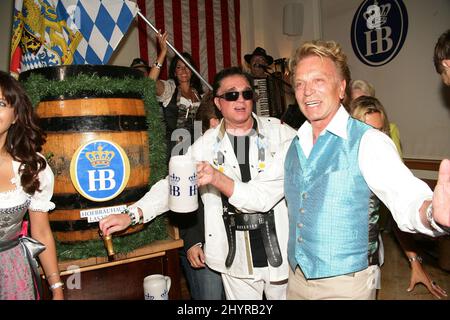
[15, 203]
[169, 89]
[40, 200]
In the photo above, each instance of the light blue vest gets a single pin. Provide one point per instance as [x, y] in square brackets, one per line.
[328, 202]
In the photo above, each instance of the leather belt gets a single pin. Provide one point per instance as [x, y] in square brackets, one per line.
[265, 222]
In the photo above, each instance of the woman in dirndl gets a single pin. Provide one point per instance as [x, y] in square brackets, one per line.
[26, 186]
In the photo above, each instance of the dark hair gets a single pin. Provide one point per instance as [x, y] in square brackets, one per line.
[195, 81]
[207, 111]
[225, 73]
[442, 51]
[140, 63]
[24, 138]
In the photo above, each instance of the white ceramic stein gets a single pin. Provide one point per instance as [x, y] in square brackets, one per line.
[156, 287]
[183, 189]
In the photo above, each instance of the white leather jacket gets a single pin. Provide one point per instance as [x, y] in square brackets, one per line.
[271, 135]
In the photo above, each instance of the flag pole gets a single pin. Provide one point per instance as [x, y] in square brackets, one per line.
[176, 52]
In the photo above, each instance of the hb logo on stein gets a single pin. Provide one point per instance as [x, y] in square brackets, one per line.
[182, 184]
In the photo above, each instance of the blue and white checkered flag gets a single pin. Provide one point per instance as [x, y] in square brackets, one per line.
[102, 25]
[63, 32]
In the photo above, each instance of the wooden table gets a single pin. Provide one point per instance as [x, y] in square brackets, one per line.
[99, 279]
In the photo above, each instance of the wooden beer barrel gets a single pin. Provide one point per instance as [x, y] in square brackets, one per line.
[71, 122]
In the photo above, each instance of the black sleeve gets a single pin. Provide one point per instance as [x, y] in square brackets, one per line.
[195, 233]
[191, 226]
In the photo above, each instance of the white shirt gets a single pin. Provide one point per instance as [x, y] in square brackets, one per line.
[166, 96]
[379, 162]
[13, 202]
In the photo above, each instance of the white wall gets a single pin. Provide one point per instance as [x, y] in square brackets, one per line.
[267, 28]
[128, 48]
[408, 86]
[262, 26]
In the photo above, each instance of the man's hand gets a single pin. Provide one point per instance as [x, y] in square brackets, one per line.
[196, 257]
[206, 174]
[114, 223]
[441, 195]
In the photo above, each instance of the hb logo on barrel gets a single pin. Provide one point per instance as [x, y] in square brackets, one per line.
[100, 170]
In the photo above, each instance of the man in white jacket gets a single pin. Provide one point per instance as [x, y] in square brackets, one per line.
[249, 250]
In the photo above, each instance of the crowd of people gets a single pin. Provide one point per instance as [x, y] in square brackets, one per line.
[283, 214]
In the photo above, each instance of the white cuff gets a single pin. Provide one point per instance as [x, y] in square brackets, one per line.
[147, 215]
[238, 198]
[419, 226]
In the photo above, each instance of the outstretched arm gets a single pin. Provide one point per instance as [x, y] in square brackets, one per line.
[152, 204]
[116, 222]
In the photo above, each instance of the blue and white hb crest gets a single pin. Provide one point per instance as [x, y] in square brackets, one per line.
[100, 170]
[379, 31]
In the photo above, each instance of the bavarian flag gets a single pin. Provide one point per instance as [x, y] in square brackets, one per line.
[61, 32]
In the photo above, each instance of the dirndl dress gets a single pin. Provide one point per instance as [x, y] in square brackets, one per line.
[16, 274]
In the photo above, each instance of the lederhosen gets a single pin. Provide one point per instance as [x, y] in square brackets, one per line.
[261, 226]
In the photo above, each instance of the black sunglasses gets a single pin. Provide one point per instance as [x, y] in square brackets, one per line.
[234, 95]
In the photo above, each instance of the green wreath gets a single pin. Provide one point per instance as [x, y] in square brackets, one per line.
[38, 87]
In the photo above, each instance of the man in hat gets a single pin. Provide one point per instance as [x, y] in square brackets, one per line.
[264, 104]
[141, 65]
[257, 61]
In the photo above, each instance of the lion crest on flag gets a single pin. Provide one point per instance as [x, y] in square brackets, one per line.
[42, 37]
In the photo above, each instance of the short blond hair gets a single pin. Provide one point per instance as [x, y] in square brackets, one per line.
[323, 49]
[364, 86]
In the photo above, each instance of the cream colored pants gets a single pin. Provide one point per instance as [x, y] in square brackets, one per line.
[253, 289]
[360, 285]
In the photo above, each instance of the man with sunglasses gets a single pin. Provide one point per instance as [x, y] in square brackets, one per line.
[249, 250]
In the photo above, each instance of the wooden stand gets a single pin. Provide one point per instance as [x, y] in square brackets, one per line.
[99, 279]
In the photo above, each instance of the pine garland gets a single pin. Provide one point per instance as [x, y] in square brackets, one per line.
[39, 88]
